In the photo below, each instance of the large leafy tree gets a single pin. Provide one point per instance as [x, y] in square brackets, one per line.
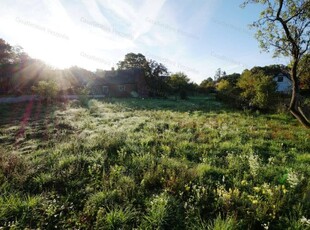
[284, 25]
[232, 78]
[207, 85]
[179, 82]
[156, 73]
[11, 54]
[6, 52]
[158, 78]
[133, 60]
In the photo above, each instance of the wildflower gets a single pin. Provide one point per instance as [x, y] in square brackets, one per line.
[254, 164]
[305, 221]
[265, 226]
[254, 201]
[293, 178]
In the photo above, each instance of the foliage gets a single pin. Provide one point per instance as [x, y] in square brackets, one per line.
[207, 85]
[47, 90]
[156, 73]
[304, 72]
[157, 79]
[284, 26]
[83, 96]
[232, 78]
[178, 82]
[6, 51]
[257, 89]
[10, 54]
[223, 85]
[133, 60]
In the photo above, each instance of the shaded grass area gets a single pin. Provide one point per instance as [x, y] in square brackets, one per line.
[203, 104]
[151, 164]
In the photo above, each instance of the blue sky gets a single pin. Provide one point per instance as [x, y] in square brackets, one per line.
[195, 37]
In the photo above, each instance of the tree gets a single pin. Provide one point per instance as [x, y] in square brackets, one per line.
[223, 85]
[304, 71]
[258, 89]
[207, 85]
[133, 60]
[19, 55]
[232, 78]
[6, 52]
[12, 54]
[156, 73]
[157, 78]
[271, 70]
[178, 82]
[218, 74]
[284, 25]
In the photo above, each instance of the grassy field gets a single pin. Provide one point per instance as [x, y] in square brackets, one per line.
[151, 164]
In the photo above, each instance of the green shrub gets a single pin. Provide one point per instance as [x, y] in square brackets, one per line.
[47, 90]
[223, 85]
[83, 96]
[258, 90]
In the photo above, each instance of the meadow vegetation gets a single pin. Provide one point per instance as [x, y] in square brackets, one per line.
[151, 164]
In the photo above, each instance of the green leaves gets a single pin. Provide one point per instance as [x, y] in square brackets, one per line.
[257, 89]
[48, 90]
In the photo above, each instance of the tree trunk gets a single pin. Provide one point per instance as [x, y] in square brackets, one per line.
[295, 110]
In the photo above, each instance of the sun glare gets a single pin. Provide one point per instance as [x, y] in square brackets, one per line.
[51, 56]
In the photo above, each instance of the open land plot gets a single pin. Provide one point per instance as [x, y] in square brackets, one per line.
[151, 164]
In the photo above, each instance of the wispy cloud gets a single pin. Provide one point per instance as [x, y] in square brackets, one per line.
[95, 13]
[184, 32]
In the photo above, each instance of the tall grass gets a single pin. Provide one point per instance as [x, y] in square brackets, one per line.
[152, 164]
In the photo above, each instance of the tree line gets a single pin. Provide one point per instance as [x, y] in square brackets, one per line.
[20, 74]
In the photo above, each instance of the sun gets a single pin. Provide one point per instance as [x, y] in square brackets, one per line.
[59, 54]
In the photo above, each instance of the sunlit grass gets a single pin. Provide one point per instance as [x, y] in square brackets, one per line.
[150, 163]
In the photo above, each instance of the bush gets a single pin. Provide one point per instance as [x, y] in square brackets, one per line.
[258, 90]
[223, 85]
[83, 96]
[47, 90]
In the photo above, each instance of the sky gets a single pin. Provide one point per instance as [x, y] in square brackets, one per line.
[195, 37]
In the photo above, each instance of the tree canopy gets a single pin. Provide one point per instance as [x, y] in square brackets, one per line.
[133, 60]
